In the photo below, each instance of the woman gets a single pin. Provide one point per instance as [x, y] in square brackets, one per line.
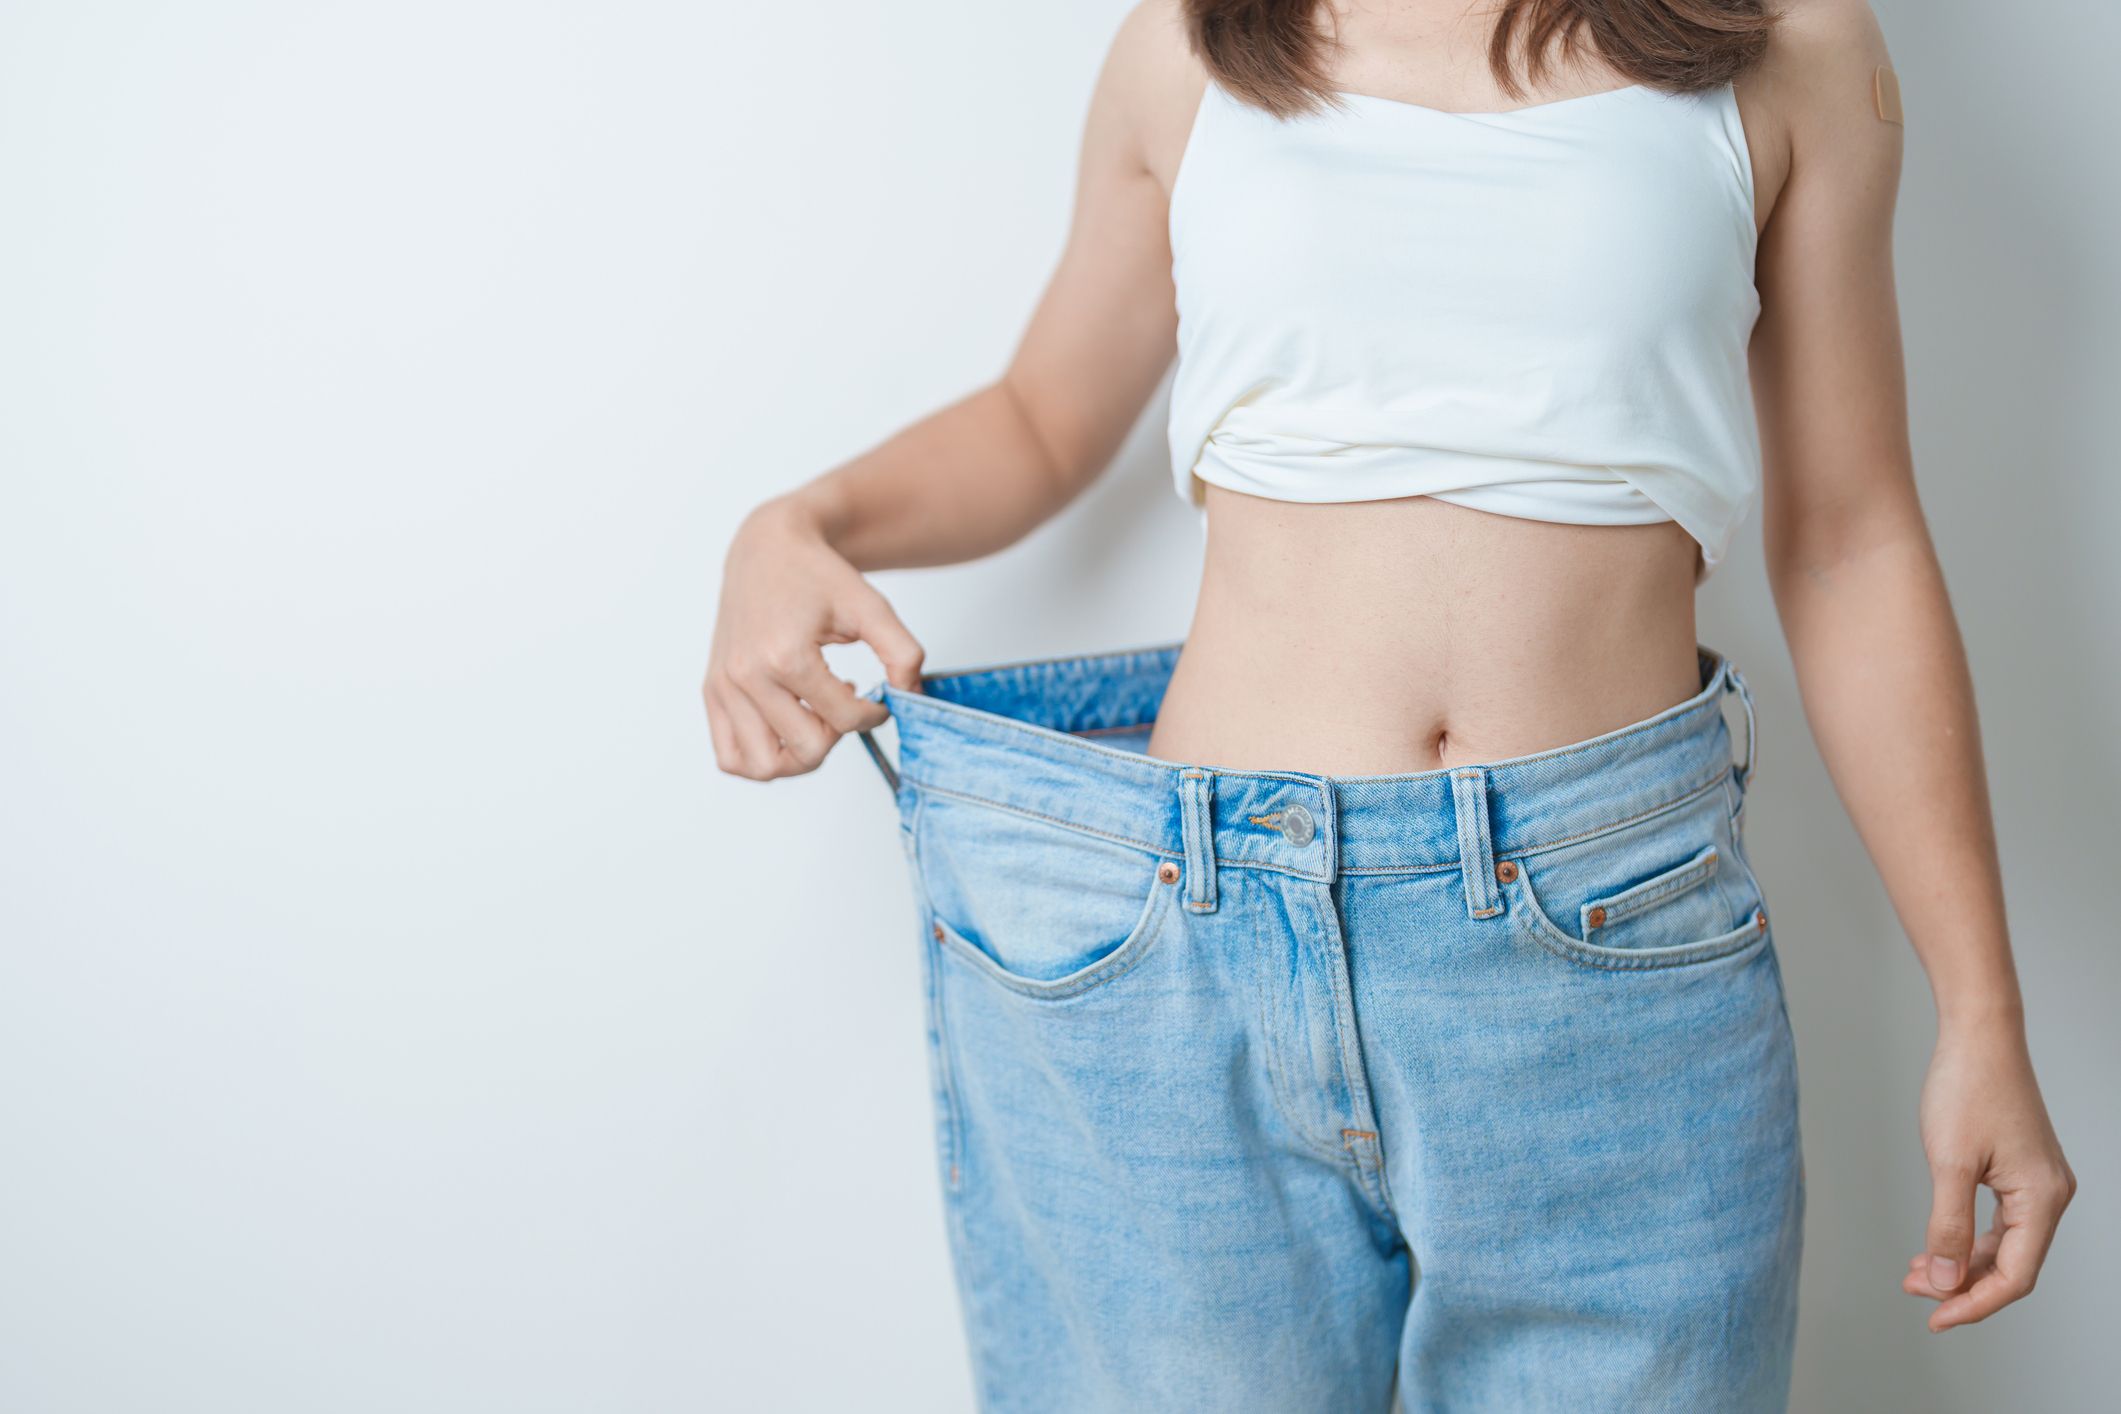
[1377, 990]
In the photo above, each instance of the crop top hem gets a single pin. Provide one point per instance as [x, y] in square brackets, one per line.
[1520, 489]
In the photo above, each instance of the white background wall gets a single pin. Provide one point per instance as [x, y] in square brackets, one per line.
[398, 1011]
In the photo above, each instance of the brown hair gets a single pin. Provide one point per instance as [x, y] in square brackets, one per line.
[1268, 52]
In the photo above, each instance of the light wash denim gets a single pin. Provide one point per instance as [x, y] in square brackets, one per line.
[1265, 1091]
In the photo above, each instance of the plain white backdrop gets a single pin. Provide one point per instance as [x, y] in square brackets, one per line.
[398, 1012]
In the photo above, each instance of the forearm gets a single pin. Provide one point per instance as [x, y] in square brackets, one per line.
[965, 481]
[1890, 701]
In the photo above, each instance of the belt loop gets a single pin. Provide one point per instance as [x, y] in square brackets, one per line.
[1476, 848]
[1196, 793]
[1734, 681]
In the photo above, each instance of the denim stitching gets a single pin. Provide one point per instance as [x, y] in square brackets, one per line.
[1548, 934]
[1656, 959]
[1551, 936]
[1054, 820]
[1197, 833]
[953, 1119]
[1692, 795]
[1136, 945]
[1109, 968]
[1525, 851]
[1134, 761]
[1287, 870]
[1476, 843]
[1681, 879]
[1352, 1073]
[1161, 852]
[1283, 1092]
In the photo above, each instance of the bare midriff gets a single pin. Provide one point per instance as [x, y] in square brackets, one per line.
[1376, 637]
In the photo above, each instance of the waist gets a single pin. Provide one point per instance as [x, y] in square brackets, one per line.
[1411, 634]
[1063, 740]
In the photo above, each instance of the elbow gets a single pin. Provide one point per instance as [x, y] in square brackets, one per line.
[1815, 542]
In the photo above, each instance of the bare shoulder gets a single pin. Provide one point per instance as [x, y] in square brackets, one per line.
[1153, 44]
[1152, 82]
[1821, 67]
[1828, 25]
[1823, 108]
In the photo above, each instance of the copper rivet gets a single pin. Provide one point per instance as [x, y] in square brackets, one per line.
[1167, 872]
[938, 931]
[1760, 918]
[1506, 871]
[1597, 918]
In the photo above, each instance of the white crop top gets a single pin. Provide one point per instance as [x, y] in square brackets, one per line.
[1542, 313]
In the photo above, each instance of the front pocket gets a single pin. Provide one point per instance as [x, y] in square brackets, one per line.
[1650, 907]
[1662, 892]
[1040, 906]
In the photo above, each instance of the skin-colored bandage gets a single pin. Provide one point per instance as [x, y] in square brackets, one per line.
[1885, 88]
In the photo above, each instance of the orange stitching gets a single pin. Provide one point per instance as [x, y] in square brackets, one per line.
[1358, 1134]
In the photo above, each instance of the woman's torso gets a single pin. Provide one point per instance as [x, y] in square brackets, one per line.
[1370, 636]
[1403, 635]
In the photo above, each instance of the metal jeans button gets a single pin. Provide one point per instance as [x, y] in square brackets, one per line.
[1297, 826]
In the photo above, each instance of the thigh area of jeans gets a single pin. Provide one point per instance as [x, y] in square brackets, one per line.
[1591, 1135]
[1152, 1200]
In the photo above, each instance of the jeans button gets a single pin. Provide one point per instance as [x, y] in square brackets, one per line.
[1297, 826]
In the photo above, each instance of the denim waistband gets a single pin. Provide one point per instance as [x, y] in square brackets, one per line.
[1025, 736]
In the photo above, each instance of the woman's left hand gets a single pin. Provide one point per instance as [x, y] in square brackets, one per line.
[1983, 1122]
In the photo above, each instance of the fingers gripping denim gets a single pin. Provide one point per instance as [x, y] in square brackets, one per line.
[1255, 1090]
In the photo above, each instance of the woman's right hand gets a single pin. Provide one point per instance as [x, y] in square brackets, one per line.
[774, 707]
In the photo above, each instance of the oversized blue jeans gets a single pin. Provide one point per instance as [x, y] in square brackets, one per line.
[1471, 1089]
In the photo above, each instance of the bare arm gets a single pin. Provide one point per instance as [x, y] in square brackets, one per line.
[1877, 650]
[975, 476]
[980, 474]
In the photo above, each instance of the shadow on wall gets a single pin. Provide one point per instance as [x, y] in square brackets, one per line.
[1998, 279]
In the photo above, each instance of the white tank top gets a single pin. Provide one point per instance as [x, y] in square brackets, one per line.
[1541, 313]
